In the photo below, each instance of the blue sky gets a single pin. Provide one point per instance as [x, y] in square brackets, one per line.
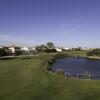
[67, 23]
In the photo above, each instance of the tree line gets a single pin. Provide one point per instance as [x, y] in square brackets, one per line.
[48, 47]
[94, 52]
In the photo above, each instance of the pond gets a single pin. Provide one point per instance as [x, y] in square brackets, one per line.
[77, 65]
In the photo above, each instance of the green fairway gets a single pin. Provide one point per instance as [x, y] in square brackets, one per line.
[24, 79]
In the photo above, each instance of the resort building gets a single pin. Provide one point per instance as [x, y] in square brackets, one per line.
[15, 50]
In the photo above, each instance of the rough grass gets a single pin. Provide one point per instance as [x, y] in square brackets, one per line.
[25, 80]
[77, 53]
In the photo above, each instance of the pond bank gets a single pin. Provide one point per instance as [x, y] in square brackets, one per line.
[94, 57]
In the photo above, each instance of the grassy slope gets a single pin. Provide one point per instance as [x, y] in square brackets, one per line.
[78, 53]
[24, 80]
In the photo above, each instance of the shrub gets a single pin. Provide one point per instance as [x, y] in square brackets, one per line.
[94, 52]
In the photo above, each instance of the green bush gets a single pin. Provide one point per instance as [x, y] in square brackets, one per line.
[94, 52]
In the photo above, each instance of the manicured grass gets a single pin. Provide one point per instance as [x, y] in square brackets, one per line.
[24, 79]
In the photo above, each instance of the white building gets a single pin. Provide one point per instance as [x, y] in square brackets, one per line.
[66, 48]
[58, 49]
[14, 49]
[33, 49]
[26, 49]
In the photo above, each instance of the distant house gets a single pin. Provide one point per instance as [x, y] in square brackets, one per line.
[58, 49]
[31, 50]
[66, 48]
[5, 51]
[15, 50]
[26, 49]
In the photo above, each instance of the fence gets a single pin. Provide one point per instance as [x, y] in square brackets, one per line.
[82, 76]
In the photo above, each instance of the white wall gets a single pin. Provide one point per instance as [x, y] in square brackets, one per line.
[12, 49]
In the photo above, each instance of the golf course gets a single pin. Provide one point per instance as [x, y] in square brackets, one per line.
[25, 79]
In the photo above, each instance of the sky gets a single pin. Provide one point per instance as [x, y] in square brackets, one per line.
[67, 23]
